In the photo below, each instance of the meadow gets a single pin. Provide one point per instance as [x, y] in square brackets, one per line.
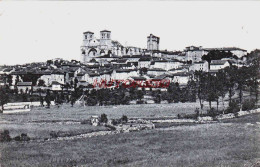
[232, 142]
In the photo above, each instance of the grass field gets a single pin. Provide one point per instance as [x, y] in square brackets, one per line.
[232, 142]
[40, 121]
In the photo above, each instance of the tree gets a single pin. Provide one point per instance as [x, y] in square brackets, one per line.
[221, 87]
[253, 72]
[48, 98]
[9, 80]
[230, 73]
[4, 97]
[200, 79]
[75, 83]
[17, 79]
[140, 94]
[103, 118]
[241, 80]
[41, 82]
[124, 119]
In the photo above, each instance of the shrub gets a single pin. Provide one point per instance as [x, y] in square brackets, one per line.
[197, 112]
[124, 119]
[17, 138]
[22, 137]
[53, 134]
[4, 136]
[103, 118]
[85, 122]
[248, 105]
[114, 122]
[91, 101]
[233, 107]
[212, 112]
[110, 127]
[140, 102]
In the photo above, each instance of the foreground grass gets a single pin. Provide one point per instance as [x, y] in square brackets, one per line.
[220, 144]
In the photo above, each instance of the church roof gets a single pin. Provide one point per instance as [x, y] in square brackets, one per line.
[88, 32]
[105, 31]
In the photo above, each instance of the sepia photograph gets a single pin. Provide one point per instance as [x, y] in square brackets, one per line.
[129, 83]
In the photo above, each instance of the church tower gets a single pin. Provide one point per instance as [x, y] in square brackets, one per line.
[105, 39]
[153, 42]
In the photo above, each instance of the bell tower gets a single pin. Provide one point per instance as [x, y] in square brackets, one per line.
[153, 42]
[105, 39]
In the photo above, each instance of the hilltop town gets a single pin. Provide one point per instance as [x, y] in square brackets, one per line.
[104, 59]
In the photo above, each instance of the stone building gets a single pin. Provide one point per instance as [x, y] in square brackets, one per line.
[95, 48]
[153, 42]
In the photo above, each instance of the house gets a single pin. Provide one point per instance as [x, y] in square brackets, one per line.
[194, 53]
[91, 78]
[218, 64]
[49, 76]
[56, 86]
[156, 71]
[121, 74]
[165, 64]
[199, 66]
[177, 70]
[182, 78]
[144, 62]
[24, 86]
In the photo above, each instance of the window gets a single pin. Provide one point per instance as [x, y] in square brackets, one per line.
[108, 35]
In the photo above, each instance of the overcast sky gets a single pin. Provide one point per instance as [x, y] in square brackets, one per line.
[38, 31]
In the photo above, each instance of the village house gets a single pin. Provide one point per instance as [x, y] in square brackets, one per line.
[177, 70]
[56, 86]
[199, 66]
[49, 76]
[121, 74]
[182, 78]
[24, 86]
[218, 64]
[165, 64]
[156, 71]
[144, 62]
[194, 53]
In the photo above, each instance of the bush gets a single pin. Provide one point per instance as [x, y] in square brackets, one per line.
[91, 101]
[124, 119]
[4, 136]
[140, 102]
[22, 137]
[212, 112]
[248, 105]
[17, 138]
[110, 127]
[114, 122]
[103, 118]
[233, 107]
[53, 134]
[85, 122]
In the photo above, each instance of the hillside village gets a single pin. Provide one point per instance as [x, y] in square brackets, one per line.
[107, 60]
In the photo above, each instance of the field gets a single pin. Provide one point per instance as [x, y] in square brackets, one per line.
[229, 143]
[40, 121]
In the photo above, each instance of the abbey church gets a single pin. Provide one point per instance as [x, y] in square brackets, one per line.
[95, 48]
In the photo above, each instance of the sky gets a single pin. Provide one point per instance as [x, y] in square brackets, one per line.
[39, 31]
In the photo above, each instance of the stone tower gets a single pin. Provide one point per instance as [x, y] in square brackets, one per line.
[105, 39]
[153, 42]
